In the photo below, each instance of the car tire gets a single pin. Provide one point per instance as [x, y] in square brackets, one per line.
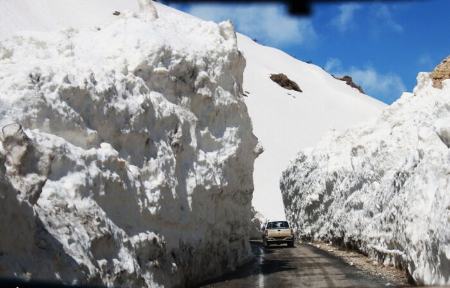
[291, 244]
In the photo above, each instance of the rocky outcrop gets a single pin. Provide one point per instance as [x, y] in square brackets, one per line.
[441, 73]
[382, 188]
[282, 80]
[349, 81]
[134, 165]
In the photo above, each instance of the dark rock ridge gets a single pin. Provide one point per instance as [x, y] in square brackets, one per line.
[349, 81]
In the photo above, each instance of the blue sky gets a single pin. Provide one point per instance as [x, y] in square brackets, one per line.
[381, 45]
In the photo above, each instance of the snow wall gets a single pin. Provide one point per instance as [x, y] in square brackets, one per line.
[126, 153]
[384, 187]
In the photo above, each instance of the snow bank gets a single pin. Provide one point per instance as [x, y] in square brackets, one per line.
[134, 165]
[382, 188]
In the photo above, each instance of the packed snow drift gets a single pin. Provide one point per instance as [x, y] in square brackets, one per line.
[286, 120]
[126, 151]
[382, 188]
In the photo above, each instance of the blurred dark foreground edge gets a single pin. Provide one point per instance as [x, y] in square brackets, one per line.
[21, 283]
[295, 7]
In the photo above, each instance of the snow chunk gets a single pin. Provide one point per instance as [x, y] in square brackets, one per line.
[442, 127]
[147, 9]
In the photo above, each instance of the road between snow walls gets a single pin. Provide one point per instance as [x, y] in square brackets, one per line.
[126, 154]
[383, 188]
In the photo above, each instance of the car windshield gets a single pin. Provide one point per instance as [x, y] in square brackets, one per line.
[277, 225]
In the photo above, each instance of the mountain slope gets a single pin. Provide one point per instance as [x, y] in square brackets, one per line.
[51, 15]
[285, 121]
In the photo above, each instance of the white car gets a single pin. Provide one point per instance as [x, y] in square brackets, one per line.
[278, 232]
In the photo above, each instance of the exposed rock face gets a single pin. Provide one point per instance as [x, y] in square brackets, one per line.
[441, 73]
[382, 188]
[349, 81]
[136, 160]
[285, 82]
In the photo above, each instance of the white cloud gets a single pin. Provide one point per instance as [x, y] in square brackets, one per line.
[381, 16]
[425, 60]
[387, 87]
[269, 23]
[344, 20]
[333, 64]
[384, 17]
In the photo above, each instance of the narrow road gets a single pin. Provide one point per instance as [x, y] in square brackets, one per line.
[302, 266]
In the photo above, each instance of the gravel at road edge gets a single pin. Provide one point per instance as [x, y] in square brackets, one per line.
[393, 275]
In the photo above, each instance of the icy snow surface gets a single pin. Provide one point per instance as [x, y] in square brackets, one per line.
[134, 166]
[384, 187]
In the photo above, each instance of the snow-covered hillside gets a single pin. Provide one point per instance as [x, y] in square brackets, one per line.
[383, 187]
[134, 166]
[285, 121]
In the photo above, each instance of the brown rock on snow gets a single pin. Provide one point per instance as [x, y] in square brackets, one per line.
[285, 82]
[441, 73]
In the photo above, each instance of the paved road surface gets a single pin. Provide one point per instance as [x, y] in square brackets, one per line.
[302, 266]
